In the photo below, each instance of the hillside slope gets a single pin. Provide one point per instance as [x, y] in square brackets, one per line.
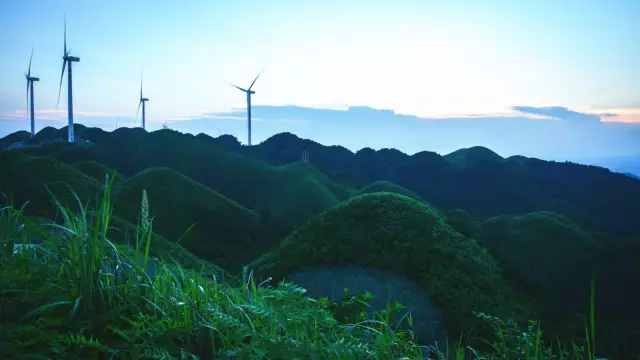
[225, 232]
[398, 234]
[23, 178]
[487, 186]
[288, 194]
[544, 253]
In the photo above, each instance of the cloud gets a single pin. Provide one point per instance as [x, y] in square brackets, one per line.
[501, 114]
[48, 114]
[561, 113]
[624, 115]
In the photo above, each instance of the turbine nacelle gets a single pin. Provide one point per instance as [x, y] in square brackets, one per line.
[71, 58]
[143, 99]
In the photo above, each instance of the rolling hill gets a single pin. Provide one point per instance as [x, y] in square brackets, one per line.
[487, 186]
[289, 194]
[528, 228]
[23, 178]
[225, 232]
[473, 156]
[396, 233]
[533, 249]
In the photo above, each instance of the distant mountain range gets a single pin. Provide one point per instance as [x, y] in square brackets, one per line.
[475, 179]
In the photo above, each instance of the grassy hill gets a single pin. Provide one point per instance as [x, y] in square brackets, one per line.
[124, 232]
[225, 232]
[289, 194]
[487, 186]
[98, 171]
[474, 179]
[23, 178]
[396, 233]
[473, 156]
[243, 202]
[18, 136]
[67, 302]
[545, 254]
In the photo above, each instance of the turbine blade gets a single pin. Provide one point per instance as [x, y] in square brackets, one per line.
[137, 112]
[64, 62]
[31, 58]
[65, 34]
[141, 84]
[254, 81]
[238, 87]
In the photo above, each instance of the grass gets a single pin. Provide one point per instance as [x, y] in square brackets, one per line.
[292, 194]
[223, 231]
[532, 249]
[401, 235]
[79, 295]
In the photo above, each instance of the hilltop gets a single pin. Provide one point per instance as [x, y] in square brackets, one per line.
[473, 156]
[410, 239]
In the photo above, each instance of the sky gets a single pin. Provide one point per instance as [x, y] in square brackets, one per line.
[561, 76]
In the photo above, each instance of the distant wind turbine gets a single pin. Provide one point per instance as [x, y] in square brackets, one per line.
[30, 80]
[142, 101]
[68, 60]
[249, 93]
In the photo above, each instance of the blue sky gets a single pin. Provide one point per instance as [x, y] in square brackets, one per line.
[432, 59]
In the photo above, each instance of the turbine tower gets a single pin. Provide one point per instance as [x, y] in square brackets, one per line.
[249, 93]
[30, 80]
[142, 101]
[68, 60]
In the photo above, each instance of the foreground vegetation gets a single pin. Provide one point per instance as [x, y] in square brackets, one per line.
[79, 295]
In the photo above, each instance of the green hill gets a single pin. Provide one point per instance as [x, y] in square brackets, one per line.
[473, 156]
[477, 180]
[18, 136]
[23, 178]
[225, 232]
[396, 233]
[388, 186]
[545, 254]
[124, 232]
[98, 171]
[290, 194]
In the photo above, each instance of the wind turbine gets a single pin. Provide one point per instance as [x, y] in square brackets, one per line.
[249, 93]
[142, 101]
[30, 80]
[68, 60]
